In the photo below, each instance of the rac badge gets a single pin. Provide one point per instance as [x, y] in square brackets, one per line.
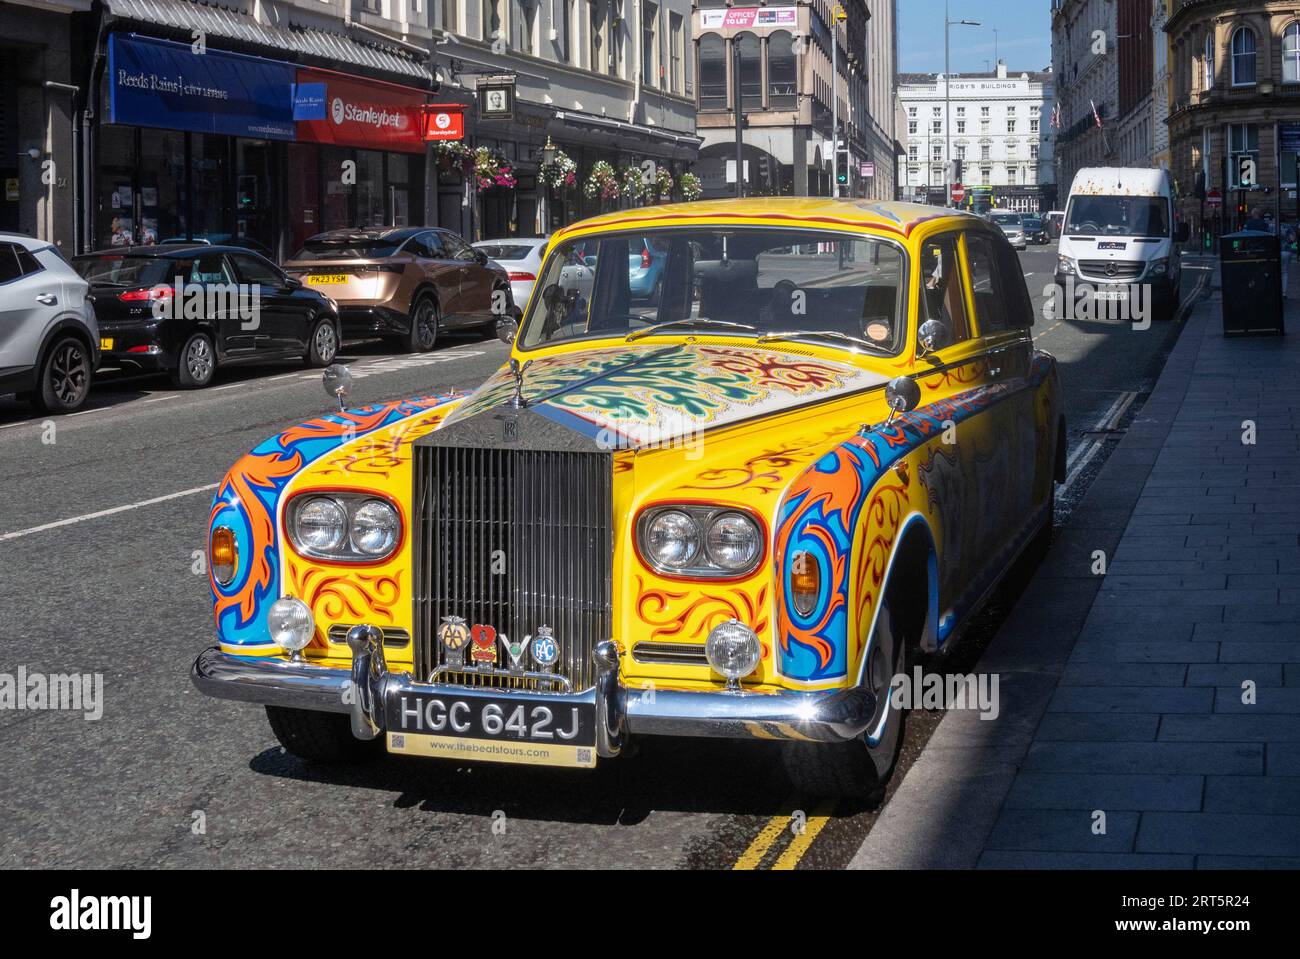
[546, 651]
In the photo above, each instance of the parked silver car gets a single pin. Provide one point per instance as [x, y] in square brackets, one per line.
[522, 259]
[1013, 225]
[49, 339]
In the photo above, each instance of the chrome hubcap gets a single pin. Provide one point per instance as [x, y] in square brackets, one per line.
[198, 359]
[69, 374]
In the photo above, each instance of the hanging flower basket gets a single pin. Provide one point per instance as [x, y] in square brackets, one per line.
[630, 181]
[601, 182]
[491, 170]
[692, 188]
[561, 173]
[454, 155]
[663, 185]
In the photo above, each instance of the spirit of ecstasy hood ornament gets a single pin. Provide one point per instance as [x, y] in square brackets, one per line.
[517, 370]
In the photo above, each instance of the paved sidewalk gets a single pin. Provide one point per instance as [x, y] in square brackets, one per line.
[1123, 693]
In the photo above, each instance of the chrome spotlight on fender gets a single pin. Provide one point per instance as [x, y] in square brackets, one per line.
[337, 380]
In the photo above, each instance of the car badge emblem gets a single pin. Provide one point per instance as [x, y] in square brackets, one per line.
[454, 634]
[1111, 269]
[517, 370]
[545, 650]
[516, 650]
[483, 649]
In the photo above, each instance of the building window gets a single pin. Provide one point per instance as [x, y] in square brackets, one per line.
[451, 16]
[751, 71]
[937, 126]
[936, 152]
[1243, 57]
[781, 80]
[911, 111]
[1243, 141]
[527, 19]
[1011, 126]
[984, 111]
[713, 72]
[676, 39]
[601, 59]
[961, 126]
[651, 75]
[936, 111]
[911, 126]
[985, 172]
[493, 21]
[1011, 111]
[1209, 60]
[1291, 53]
[1033, 126]
[961, 111]
[985, 152]
[912, 153]
[961, 152]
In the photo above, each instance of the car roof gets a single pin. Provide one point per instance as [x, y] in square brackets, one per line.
[168, 250]
[810, 212]
[371, 233]
[26, 241]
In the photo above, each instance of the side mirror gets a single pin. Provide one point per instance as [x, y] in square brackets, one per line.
[1184, 233]
[337, 380]
[933, 335]
[480, 256]
[507, 329]
[903, 395]
[293, 283]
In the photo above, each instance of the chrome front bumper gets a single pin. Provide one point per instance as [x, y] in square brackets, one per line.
[828, 716]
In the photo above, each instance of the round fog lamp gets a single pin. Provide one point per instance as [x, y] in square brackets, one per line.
[291, 624]
[733, 650]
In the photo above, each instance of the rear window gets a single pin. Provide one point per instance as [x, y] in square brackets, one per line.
[127, 272]
[505, 251]
[347, 248]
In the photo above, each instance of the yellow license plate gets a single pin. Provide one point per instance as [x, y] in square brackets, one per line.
[105, 343]
[328, 278]
[492, 750]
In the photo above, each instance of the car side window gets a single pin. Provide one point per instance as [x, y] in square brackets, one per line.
[1015, 291]
[988, 285]
[437, 247]
[418, 245]
[9, 268]
[209, 268]
[253, 269]
[457, 249]
[944, 297]
[26, 261]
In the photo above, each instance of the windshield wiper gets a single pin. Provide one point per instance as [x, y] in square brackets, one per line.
[650, 330]
[825, 334]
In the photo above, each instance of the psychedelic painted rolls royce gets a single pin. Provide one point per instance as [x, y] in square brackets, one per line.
[730, 510]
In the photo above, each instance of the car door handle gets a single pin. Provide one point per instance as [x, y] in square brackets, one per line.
[49, 299]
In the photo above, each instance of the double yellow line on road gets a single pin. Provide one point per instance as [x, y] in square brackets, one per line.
[777, 827]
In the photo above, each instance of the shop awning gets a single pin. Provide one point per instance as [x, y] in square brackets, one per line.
[630, 129]
[309, 41]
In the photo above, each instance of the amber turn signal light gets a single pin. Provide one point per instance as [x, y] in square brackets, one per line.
[805, 581]
[224, 555]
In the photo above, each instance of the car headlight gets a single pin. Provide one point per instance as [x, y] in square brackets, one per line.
[375, 527]
[1065, 264]
[700, 540]
[344, 526]
[1159, 267]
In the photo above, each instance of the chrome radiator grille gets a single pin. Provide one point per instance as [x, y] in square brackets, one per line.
[515, 540]
[1123, 269]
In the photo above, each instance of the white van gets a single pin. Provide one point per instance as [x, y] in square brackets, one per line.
[1119, 238]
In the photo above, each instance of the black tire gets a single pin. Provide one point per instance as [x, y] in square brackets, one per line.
[860, 769]
[65, 376]
[425, 320]
[196, 363]
[320, 737]
[323, 344]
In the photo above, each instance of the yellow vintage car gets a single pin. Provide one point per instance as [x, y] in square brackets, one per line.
[728, 507]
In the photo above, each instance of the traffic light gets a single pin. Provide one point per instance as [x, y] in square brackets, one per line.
[842, 164]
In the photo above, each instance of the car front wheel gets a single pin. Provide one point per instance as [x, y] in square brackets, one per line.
[324, 343]
[860, 768]
[64, 377]
[320, 737]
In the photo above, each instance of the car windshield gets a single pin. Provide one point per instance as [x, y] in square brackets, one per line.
[1033, 224]
[348, 248]
[1006, 219]
[1146, 216]
[127, 272]
[505, 251]
[750, 282]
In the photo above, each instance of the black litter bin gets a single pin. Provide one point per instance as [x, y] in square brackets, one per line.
[1251, 265]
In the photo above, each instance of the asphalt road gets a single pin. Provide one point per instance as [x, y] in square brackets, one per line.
[170, 778]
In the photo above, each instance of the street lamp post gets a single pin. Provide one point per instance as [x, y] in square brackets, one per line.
[837, 14]
[948, 24]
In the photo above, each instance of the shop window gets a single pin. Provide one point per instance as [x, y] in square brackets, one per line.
[115, 216]
[303, 186]
[370, 189]
[781, 79]
[254, 204]
[162, 187]
[713, 72]
[751, 71]
[211, 204]
[1243, 57]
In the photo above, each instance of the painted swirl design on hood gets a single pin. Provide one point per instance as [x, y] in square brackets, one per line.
[647, 394]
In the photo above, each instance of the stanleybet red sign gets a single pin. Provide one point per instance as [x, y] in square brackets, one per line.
[346, 111]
